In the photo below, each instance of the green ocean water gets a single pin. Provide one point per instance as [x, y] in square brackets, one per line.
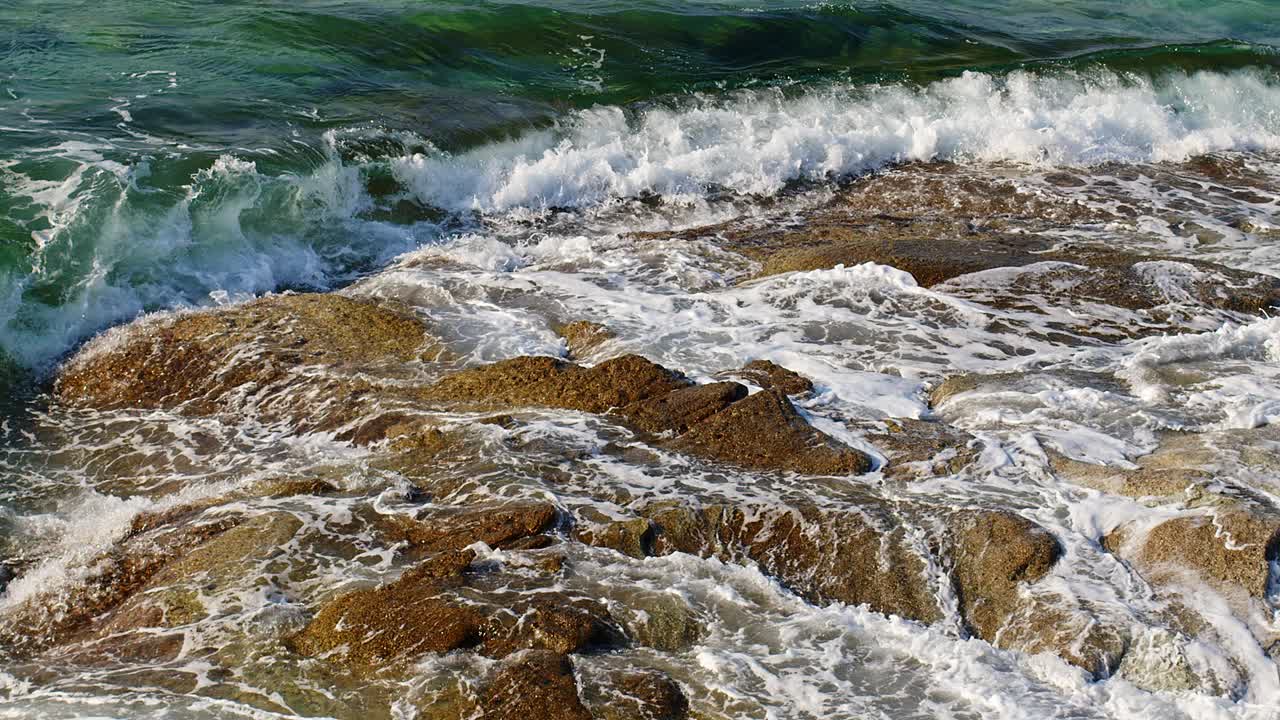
[161, 154]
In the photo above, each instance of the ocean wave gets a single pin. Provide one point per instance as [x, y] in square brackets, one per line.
[113, 239]
[757, 142]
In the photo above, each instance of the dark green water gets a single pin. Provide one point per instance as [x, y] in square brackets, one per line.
[154, 153]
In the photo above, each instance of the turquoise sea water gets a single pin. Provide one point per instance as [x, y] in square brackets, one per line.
[169, 153]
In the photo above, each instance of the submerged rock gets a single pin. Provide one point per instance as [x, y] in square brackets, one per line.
[583, 338]
[629, 536]
[824, 555]
[663, 621]
[921, 449]
[1158, 661]
[63, 615]
[636, 695]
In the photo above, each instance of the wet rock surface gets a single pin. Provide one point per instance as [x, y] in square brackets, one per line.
[428, 610]
[716, 421]
[536, 685]
[769, 375]
[261, 355]
[920, 449]
[583, 338]
[1230, 548]
[637, 695]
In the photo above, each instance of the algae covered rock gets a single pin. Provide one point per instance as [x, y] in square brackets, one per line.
[630, 536]
[535, 685]
[662, 621]
[636, 695]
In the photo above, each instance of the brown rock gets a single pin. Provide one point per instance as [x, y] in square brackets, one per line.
[679, 410]
[765, 432]
[500, 526]
[662, 621]
[714, 421]
[769, 375]
[823, 555]
[995, 552]
[547, 382]
[170, 598]
[1049, 623]
[920, 449]
[438, 607]
[550, 621]
[629, 536]
[313, 361]
[1230, 548]
[639, 695]
[582, 337]
[968, 382]
[55, 617]
[535, 685]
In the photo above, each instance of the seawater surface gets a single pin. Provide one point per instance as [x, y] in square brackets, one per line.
[503, 167]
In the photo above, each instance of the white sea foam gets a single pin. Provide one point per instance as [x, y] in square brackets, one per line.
[756, 142]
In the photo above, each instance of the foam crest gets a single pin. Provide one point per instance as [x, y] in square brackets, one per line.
[757, 142]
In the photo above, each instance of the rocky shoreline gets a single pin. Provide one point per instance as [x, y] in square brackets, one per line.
[483, 565]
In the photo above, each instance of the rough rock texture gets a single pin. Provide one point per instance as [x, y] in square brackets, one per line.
[438, 607]
[678, 411]
[765, 432]
[637, 695]
[772, 376]
[920, 449]
[1230, 548]
[498, 526]
[548, 382]
[583, 337]
[824, 555]
[535, 685]
[994, 553]
[247, 356]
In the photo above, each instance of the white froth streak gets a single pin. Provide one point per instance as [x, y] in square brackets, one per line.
[1248, 401]
[756, 142]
